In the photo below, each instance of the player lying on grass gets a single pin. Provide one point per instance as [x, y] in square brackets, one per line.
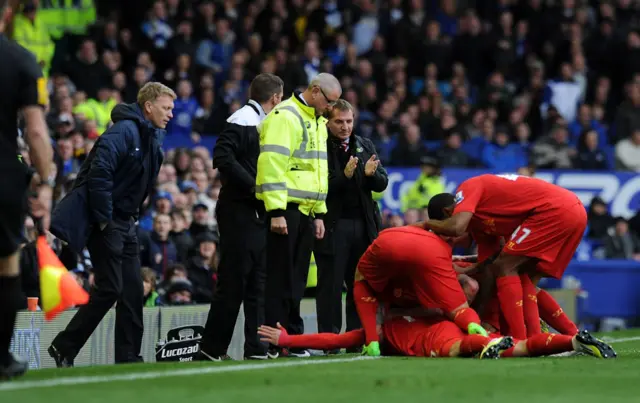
[424, 260]
[436, 336]
[543, 224]
[418, 337]
[404, 336]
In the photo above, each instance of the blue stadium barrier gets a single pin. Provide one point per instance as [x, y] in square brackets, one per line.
[612, 287]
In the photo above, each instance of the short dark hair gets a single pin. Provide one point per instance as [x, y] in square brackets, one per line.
[342, 105]
[264, 86]
[438, 203]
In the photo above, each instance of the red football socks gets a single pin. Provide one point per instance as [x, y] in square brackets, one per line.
[367, 308]
[324, 341]
[553, 314]
[510, 297]
[542, 344]
[530, 306]
[464, 317]
[508, 353]
[549, 343]
[472, 344]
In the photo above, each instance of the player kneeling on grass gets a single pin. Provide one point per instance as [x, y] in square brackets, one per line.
[436, 336]
[542, 223]
[421, 258]
[398, 333]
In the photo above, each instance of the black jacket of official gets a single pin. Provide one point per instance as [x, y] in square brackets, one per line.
[339, 184]
[114, 180]
[236, 157]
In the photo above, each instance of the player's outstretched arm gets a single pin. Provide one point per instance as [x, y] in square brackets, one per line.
[456, 225]
[317, 341]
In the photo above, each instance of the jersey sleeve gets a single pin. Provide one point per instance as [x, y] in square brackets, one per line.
[467, 197]
[33, 85]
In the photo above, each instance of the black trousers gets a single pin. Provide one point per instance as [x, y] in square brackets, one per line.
[334, 270]
[288, 258]
[241, 278]
[116, 265]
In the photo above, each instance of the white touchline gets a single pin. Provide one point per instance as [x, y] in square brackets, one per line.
[620, 340]
[82, 380]
[47, 383]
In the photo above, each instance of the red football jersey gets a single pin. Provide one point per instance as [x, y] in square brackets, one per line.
[399, 293]
[500, 203]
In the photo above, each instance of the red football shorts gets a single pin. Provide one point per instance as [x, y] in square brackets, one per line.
[419, 256]
[420, 337]
[551, 237]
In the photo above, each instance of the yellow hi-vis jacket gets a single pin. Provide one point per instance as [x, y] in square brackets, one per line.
[93, 109]
[292, 167]
[35, 38]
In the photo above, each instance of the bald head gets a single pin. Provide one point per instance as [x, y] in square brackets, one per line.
[323, 91]
[328, 83]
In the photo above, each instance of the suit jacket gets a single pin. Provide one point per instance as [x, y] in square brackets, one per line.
[363, 149]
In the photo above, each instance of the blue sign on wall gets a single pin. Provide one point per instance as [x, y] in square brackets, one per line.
[620, 190]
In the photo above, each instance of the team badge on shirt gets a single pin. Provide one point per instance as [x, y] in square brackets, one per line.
[459, 197]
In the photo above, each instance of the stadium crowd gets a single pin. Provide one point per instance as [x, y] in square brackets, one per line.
[502, 84]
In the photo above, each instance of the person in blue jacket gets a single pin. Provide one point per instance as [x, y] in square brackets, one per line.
[185, 110]
[100, 212]
[502, 155]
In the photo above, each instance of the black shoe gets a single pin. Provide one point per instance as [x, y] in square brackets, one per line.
[61, 360]
[584, 342]
[495, 346]
[202, 356]
[274, 353]
[14, 369]
[134, 360]
[299, 353]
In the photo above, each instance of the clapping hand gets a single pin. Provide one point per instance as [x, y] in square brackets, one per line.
[371, 166]
[351, 167]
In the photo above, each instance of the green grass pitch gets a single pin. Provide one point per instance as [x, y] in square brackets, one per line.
[389, 380]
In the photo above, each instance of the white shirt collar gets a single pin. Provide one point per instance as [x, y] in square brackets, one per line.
[261, 111]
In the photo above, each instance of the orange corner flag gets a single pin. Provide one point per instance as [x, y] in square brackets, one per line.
[58, 289]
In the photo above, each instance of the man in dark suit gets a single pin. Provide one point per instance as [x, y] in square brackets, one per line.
[101, 211]
[243, 236]
[352, 221]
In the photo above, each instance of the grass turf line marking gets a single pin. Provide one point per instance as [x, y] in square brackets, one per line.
[20, 385]
[620, 340]
[83, 380]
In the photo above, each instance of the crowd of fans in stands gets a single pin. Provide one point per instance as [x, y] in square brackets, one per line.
[501, 84]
